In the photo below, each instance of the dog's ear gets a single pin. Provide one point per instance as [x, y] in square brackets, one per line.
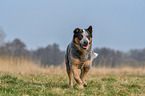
[90, 29]
[76, 30]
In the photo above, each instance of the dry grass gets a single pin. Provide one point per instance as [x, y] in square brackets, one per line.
[25, 66]
[125, 71]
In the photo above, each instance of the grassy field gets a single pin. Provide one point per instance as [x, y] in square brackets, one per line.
[24, 78]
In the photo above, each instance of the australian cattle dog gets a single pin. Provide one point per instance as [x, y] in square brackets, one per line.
[79, 55]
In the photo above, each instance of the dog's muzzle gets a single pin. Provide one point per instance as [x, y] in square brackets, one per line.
[84, 45]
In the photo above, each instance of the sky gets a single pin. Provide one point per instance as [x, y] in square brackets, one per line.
[117, 24]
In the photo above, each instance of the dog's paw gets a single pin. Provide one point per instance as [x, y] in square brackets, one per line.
[85, 84]
[95, 55]
[79, 87]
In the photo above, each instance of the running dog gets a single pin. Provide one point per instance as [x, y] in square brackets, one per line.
[79, 55]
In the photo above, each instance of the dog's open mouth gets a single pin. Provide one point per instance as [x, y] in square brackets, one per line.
[84, 46]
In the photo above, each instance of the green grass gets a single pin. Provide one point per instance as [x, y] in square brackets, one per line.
[57, 85]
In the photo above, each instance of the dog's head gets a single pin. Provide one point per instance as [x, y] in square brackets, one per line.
[83, 37]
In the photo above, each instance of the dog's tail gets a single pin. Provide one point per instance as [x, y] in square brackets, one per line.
[95, 55]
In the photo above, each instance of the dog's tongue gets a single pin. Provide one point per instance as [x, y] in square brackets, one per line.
[85, 47]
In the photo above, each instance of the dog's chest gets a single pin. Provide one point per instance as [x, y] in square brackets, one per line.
[80, 63]
[83, 57]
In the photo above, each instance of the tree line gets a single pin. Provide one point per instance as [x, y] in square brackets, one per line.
[52, 55]
[115, 58]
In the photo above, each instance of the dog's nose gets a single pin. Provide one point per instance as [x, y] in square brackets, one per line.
[85, 43]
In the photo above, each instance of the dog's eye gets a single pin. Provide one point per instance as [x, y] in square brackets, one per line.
[80, 37]
[88, 37]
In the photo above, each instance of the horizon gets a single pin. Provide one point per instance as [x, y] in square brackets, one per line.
[66, 46]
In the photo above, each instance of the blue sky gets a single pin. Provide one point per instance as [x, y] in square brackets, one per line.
[117, 24]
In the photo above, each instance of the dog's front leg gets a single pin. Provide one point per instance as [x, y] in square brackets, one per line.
[83, 75]
[70, 75]
[75, 73]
